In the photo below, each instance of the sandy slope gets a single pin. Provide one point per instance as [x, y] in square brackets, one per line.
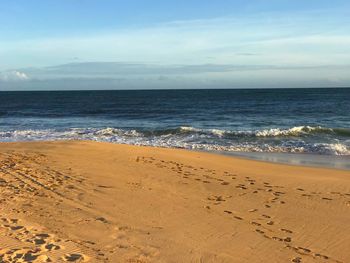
[98, 202]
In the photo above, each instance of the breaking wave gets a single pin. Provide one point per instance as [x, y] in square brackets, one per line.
[303, 139]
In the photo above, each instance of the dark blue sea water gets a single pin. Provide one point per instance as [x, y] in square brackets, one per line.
[275, 120]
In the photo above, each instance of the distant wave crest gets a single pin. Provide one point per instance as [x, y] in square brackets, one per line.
[277, 132]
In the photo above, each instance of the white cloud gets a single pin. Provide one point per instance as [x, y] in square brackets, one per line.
[13, 76]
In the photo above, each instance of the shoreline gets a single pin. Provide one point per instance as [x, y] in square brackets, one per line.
[339, 162]
[151, 204]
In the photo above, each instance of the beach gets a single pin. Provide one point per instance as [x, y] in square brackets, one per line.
[84, 201]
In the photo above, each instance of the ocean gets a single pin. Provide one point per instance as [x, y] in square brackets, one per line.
[309, 121]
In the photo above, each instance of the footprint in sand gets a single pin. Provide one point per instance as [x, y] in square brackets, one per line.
[286, 230]
[287, 239]
[255, 223]
[296, 260]
[74, 258]
[321, 256]
[16, 228]
[305, 250]
[259, 231]
[51, 247]
[277, 239]
[102, 219]
[306, 195]
[217, 198]
[273, 200]
[39, 241]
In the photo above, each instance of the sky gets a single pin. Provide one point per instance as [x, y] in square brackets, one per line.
[143, 44]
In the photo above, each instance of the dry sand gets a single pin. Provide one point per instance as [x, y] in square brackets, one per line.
[100, 202]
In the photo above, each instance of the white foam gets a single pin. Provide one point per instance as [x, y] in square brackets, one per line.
[212, 140]
[294, 131]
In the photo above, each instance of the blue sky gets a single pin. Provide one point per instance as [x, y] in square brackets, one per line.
[171, 44]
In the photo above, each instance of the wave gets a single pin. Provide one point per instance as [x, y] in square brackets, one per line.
[298, 131]
[276, 132]
[303, 139]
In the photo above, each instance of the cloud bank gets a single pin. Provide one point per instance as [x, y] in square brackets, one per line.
[119, 75]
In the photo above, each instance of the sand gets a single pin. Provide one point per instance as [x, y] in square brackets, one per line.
[99, 202]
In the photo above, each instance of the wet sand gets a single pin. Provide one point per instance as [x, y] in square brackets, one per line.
[99, 202]
[300, 159]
